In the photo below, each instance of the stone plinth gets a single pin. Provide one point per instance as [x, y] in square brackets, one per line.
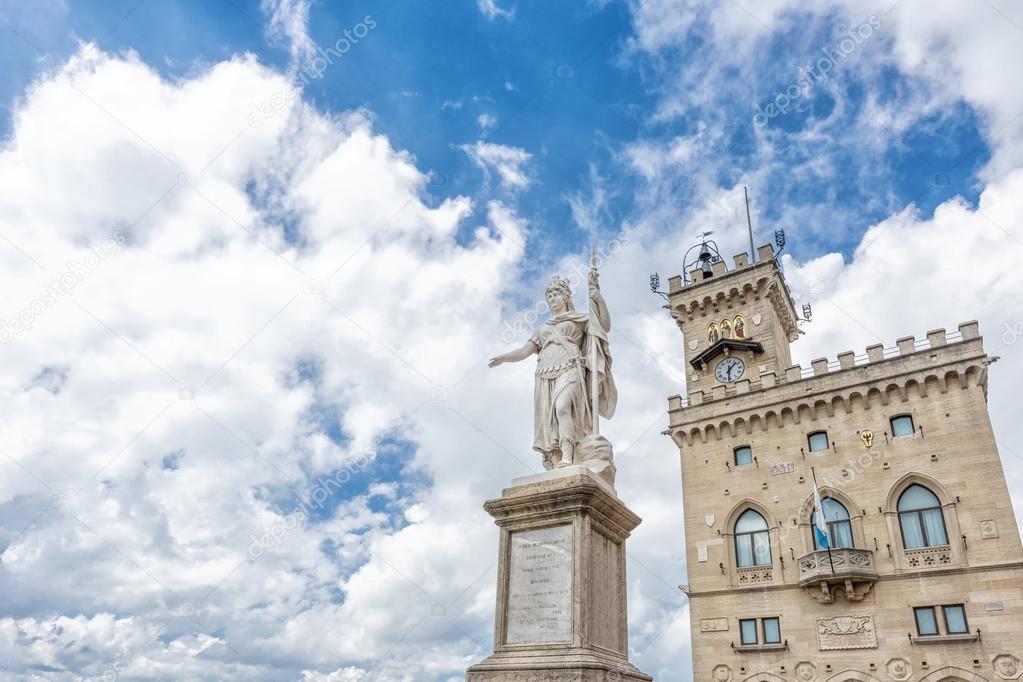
[561, 592]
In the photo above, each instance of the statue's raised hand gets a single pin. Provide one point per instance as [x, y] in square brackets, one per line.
[594, 287]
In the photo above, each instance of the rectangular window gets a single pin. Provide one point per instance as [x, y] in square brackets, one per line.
[772, 631]
[902, 425]
[926, 623]
[955, 619]
[818, 441]
[748, 631]
[744, 455]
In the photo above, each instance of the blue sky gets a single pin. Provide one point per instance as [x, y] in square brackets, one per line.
[252, 439]
[427, 72]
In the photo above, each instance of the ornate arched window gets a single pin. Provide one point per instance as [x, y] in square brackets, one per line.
[712, 334]
[839, 526]
[752, 540]
[739, 327]
[921, 519]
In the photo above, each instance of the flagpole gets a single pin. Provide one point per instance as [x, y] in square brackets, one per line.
[823, 519]
[594, 378]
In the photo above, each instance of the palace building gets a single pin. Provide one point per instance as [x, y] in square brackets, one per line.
[922, 578]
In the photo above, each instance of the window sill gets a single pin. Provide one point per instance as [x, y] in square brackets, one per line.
[760, 648]
[907, 436]
[944, 639]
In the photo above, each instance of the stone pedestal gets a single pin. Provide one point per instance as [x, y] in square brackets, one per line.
[561, 592]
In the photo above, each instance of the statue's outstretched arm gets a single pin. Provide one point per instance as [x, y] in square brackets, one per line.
[517, 355]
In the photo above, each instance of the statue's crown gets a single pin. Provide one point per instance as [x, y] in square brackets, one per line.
[562, 285]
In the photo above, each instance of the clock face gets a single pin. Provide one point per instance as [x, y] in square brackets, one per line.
[729, 369]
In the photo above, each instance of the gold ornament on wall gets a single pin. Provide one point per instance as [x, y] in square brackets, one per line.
[867, 437]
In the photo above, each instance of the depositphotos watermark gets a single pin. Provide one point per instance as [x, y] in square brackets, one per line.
[323, 490]
[578, 273]
[811, 75]
[53, 291]
[311, 71]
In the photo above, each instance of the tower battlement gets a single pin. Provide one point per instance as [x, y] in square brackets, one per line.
[809, 378]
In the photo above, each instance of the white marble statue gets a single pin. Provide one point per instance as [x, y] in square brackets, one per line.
[573, 380]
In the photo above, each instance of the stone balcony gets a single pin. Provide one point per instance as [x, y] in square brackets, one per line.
[850, 570]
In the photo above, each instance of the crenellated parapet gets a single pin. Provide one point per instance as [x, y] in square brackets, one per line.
[728, 290]
[881, 376]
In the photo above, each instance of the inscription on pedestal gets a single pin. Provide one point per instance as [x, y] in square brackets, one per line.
[540, 586]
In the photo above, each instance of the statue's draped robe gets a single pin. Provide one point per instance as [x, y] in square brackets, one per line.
[562, 371]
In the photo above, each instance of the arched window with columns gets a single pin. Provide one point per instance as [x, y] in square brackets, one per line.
[839, 524]
[752, 540]
[921, 519]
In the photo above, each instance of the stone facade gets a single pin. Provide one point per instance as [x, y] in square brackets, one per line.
[850, 615]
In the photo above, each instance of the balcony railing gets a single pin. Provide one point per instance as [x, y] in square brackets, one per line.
[851, 569]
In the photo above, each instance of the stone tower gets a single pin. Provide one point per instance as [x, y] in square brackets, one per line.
[921, 577]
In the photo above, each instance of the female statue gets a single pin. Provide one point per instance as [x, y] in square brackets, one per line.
[571, 346]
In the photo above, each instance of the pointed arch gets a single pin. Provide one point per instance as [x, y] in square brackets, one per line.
[741, 507]
[827, 491]
[764, 677]
[852, 676]
[915, 478]
[952, 674]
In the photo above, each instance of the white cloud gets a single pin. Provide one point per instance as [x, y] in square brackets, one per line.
[209, 293]
[507, 162]
[486, 121]
[288, 23]
[491, 10]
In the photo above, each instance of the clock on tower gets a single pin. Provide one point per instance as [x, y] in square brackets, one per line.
[737, 324]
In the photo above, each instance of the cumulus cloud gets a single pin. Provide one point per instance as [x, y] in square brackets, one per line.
[507, 162]
[279, 307]
[252, 438]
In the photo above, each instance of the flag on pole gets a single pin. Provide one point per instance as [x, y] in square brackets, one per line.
[820, 525]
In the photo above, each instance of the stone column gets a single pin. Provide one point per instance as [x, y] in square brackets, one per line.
[561, 590]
